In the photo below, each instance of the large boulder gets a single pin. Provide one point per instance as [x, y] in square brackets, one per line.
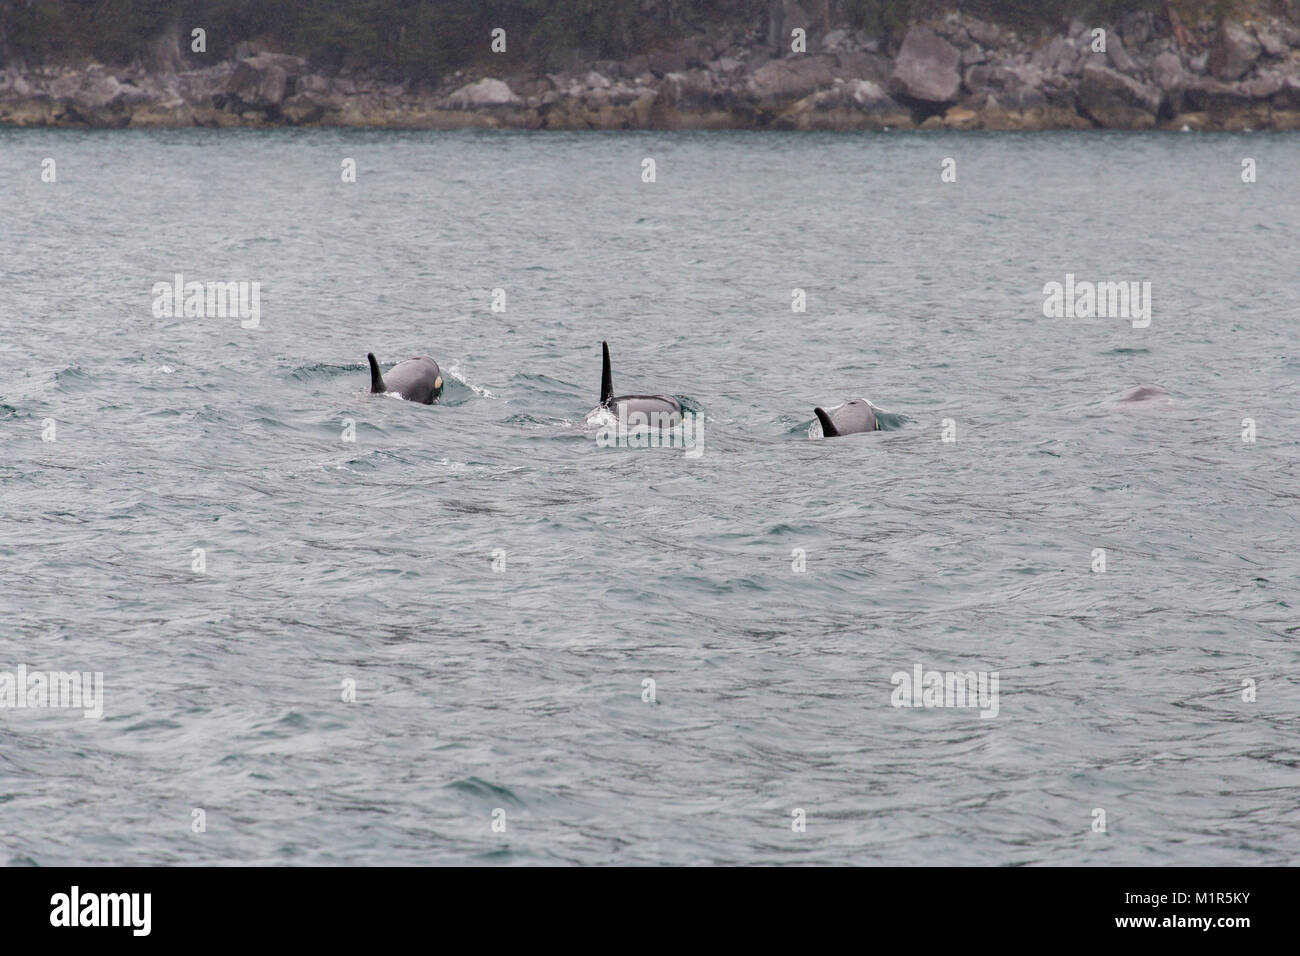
[857, 104]
[203, 87]
[1264, 85]
[779, 82]
[96, 92]
[1117, 101]
[1271, 39]
[262, 82]
[94, 98]
[486, 92]
[1234, 52]
[927, 68]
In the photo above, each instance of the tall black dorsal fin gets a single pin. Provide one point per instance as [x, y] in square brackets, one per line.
[376, 379]
[828, 429]
[606, 377]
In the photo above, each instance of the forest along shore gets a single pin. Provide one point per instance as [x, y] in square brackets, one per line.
[1149, 70]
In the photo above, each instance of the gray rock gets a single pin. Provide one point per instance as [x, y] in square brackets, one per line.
[65, 85]
[688, 98]
[1168, 74]
[1234, 52]
[1271, 40]
[1119, 56]
[926, 67]
[871, 97]
[1264, 85]
[781, 81]
[952, 29]
[1019, 87]
[97, 92]
[857, 104]
[986, 35]
[202, 87]
[261, 82]
[1117, 101]
[314, 83]
[972, 55]
[486, 92]
[133, 95]
[834, 39]
[264, 88]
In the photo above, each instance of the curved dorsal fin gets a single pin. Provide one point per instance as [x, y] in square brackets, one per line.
[606, 377]
[376, 379]
[828, 429]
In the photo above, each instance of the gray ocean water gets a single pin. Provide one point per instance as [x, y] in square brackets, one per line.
[496, 588]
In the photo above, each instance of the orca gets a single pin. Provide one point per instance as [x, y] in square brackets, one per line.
[661, 410]
[857, 415]
[416, 380]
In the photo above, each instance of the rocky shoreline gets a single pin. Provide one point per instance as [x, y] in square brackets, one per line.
[955, 72]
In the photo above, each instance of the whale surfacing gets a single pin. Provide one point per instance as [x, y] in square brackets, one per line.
[416, 380]
[1146, 393]
[857, 415]
[662, 411]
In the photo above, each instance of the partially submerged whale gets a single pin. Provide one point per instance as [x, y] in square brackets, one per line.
[416, 380]
[662, 411]
[1146, 393]
[854, 416]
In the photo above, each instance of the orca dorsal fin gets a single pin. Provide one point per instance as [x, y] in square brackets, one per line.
[376, 379]
[828, 429]
[606, 377]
